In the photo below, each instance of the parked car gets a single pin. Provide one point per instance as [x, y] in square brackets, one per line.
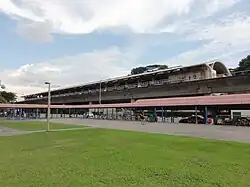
[200, 119]
[192, 119]
[223, 120]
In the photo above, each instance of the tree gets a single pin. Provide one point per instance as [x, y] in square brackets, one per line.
[2, 99]
[163, 67]
[7, 97]
[139, 70]
[244, 64]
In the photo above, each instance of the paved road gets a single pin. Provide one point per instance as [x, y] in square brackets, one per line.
[231, 133]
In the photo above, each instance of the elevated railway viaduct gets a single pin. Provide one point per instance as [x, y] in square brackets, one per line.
[228, 85]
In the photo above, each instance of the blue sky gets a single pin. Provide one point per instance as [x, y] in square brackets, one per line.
[78, 41]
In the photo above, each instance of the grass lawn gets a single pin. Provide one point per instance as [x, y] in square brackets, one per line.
[33, 126]
[99, 157]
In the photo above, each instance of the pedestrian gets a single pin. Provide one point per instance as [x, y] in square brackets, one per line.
[142, 118]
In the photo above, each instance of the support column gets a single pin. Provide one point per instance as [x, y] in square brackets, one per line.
[196, 116]
[57, 113]
[172, 119]
[107, 111]
[37, 113]
[116, 113]
[19, 112]
[14, 113]
[124, 114]
[162, 114]
[165, 114]
[205, 115]
[155, 115]
[112, 114]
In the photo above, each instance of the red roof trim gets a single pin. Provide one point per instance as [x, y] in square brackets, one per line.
[234, 99]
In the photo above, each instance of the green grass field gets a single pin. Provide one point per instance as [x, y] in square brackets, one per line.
[99, 157]
[34, 126]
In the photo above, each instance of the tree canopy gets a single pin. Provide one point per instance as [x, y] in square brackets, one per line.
[142, 69]
[7, 97]
[244, 64]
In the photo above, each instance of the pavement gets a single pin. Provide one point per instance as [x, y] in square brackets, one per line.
[5, 131]
[229, 133]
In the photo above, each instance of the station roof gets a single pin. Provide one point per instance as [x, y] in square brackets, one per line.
[123, 78]
[234, 99]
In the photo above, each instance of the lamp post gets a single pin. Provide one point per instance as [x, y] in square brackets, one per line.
[49, 101]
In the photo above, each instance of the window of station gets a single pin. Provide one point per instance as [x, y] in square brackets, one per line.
[145, 80]
[45, 95]
[120, 85]
[68, 91]
[132, 82]
[161, 78]
[78, 89]
[55, 93]
[110, 86]
[92, 88]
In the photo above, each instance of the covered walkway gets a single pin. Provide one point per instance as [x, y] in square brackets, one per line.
[204, 106]
[229, 100]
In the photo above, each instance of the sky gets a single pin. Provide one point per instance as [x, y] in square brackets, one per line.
[80, 41]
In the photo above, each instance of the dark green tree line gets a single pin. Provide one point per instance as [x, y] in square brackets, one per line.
[142, 69]
[7, 97]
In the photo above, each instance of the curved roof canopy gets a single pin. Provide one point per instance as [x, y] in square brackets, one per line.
[220, 68]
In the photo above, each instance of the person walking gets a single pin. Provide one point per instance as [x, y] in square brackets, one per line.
[142, 118]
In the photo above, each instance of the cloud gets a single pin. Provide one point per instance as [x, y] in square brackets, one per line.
[227, 40]
[224, 37]
[36, 31]
[66, 71]
[87, 16]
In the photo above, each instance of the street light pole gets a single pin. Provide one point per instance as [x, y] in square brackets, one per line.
[49, 102]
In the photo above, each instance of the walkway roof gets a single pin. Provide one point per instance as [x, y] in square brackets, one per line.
[230, 100]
